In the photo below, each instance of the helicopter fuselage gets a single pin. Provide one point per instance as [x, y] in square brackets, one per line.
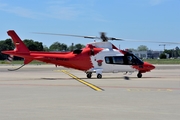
[96, 57]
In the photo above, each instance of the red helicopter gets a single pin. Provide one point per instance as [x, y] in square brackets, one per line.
[96, 57]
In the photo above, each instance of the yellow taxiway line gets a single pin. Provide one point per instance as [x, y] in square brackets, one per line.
[82, 81]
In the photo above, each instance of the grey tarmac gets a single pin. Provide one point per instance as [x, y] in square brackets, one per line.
[44, 92]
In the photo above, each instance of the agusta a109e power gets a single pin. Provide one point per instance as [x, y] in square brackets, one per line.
[96, 57]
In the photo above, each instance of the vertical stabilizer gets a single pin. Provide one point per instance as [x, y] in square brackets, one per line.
[20, 46]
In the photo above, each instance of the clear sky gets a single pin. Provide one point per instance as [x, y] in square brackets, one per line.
[156, 20]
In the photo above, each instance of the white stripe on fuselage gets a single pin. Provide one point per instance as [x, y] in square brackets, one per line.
[109, 67]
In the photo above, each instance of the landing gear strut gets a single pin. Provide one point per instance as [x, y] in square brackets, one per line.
[139, 75]
[98, 73]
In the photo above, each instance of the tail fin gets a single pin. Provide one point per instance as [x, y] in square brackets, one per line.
[20, 46]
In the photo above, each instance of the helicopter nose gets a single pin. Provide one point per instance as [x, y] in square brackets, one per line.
[148, 66]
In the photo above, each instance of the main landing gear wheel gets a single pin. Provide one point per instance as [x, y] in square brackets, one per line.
[99, 76]
[89, 75]
[139, 75]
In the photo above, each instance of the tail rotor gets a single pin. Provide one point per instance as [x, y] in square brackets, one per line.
[10, 59]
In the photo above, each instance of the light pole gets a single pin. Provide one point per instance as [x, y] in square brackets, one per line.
[163, 45]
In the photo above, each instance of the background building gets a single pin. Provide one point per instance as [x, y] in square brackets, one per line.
[150, 54]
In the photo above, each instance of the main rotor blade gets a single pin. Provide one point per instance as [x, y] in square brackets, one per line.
[90, 37]
[130, 40]
[105, 38]
[112, 38]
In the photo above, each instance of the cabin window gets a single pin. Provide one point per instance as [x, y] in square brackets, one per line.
[107, 59]
[114, 60]
[128, 59]
[118, 59]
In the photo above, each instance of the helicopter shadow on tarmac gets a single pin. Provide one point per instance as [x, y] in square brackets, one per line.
[114, 78]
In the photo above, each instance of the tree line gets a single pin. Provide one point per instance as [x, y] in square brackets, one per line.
[172, 53]
[57, 46]
[36, 46]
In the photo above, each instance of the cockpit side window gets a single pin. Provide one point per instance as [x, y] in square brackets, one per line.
[132, 60]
